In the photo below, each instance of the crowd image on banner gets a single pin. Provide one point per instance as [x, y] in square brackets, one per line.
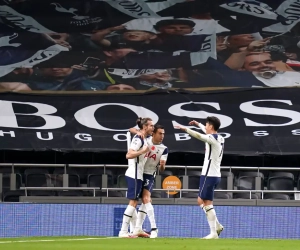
[98, 45]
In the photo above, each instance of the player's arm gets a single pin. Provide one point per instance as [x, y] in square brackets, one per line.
[135, 149]
[198, 124]
[205, 138]
[163, 160]
[136, 132]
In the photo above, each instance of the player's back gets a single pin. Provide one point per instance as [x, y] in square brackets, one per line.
[136, 170]
[214, 149]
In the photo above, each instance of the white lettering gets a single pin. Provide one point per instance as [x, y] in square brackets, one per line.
[260, 133]
[43, 110]
[86, 116]
[83, 137]
[117, 137]
[296, 132]
[182, 137]
[11, 133]
[178, 111]
[50, 136]
[248, 107]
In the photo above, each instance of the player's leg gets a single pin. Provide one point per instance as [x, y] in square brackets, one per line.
[133, 221]
[141, 215]
[220, 227]
[207, 185]
[133, 192]
[147, 206]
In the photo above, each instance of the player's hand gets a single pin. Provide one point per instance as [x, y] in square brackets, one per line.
[194, 123]
[162, 164]
[180, 127]
[145, 149]
[140, 134]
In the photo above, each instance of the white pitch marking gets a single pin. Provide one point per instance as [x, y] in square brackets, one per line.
[53, 240]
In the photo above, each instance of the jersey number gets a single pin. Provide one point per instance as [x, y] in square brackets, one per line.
[147, 182]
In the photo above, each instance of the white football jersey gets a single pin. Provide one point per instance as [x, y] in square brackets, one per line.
[214, 148]
[136, 168]
[157, 152]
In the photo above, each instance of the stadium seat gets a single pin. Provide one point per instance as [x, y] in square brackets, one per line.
[271, 196]
[36, 171]
[223, 183]
[245, 196]
[41, 193]
[13, 196]
[193, 195]
[156, 194]
[194, 182]
[36, 180]
[36, 177]
[94, 180]
[166, 173]
[74, 179]
[103, 193]
[122, 181]
[221, 195]
[6, 180]
[253, 175]
[193, 173]
[281, 181]
[108, 172]
[246, 183]
[70, 193]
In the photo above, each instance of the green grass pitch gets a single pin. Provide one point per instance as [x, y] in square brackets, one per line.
[114, 243]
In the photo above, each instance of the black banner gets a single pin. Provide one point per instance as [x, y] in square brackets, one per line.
[254, 122]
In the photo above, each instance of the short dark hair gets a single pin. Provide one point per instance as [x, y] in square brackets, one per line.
[146, 31]
[163, 23]
[142, 121]
[214, 121]
[157, 127]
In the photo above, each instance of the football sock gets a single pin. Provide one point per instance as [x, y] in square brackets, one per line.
[126, 218]
[141, 216]
[211, 218]
[150, 212]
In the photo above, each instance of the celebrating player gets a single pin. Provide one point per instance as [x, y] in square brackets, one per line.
[211, 171]
[134, 174]
[157, 156]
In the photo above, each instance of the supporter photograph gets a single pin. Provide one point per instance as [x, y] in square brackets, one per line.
[161, 34]
[268, 63]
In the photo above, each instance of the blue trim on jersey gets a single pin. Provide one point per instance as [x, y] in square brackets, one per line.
[137, 136]
[209, 155]
[137, 158]
[215, 136]
[207, 168]
[166, 151]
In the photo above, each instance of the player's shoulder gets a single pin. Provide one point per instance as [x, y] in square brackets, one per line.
[217, 137]
[138, 138]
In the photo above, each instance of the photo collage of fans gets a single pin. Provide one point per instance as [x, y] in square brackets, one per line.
[116, 45]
